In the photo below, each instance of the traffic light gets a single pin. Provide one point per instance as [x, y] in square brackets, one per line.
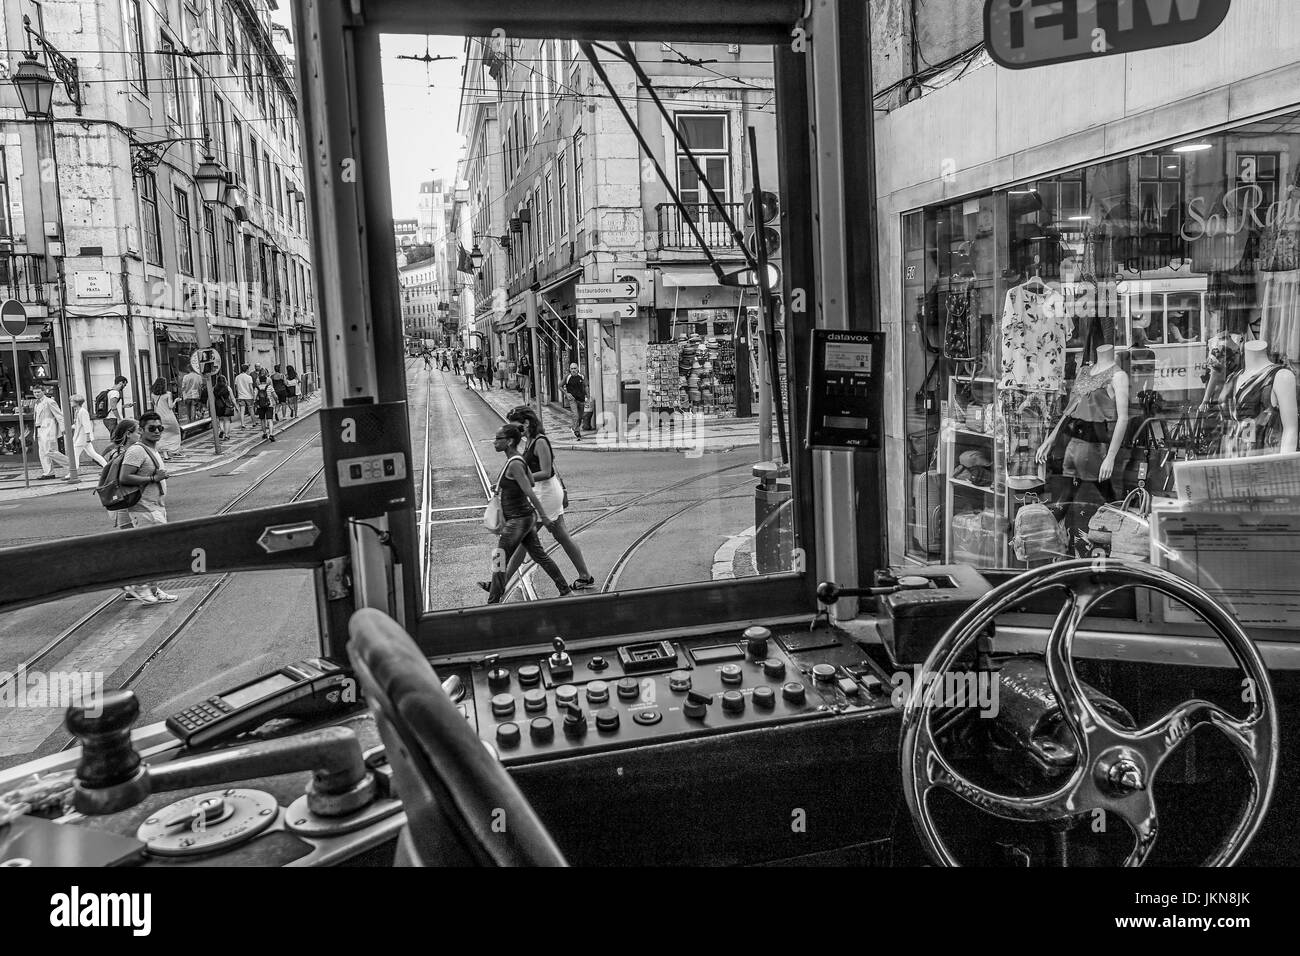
[764, 224]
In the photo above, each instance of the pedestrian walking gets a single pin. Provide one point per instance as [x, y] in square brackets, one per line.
[481, 370]
[576, 386]
[471, 369]
[445, 366]
[142, 467]
[164, 403]
[501, 371]
[291, 386]
[49, 426]
[192, 394]
[224, 399]
[540, 458]
[455, 359]
[522, 511]
[526, 375]
[115, 405]
[428, 361]
[264, 402]
[125, 433]
[281, 394]
[244, 396]
[83, 432]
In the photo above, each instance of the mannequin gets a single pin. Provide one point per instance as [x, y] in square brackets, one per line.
[1096, 419]
[1261, 406]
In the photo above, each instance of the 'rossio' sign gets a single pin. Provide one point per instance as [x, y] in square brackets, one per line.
[1021, 34]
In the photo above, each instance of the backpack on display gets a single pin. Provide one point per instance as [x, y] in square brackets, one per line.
[1038, 535]
[101, 404]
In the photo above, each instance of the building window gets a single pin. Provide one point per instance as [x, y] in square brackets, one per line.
[171, 89]
[577, 179]
[219, 114]
[135, 68]
[184, 242]
[261, 96]
[232, 265]
[248, 64]
[561, 178]
[270, 188]
[241, 170]
[548, 223]
[706, 137]
[148, 187]
[255, 167]
[210, 245]
[232, 40]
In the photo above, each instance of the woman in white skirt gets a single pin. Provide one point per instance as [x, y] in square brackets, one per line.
[83, 432]
[546, 482]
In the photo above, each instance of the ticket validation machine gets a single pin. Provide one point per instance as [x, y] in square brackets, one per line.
[846, 390]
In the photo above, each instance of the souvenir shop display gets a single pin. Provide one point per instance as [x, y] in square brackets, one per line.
[694, 374]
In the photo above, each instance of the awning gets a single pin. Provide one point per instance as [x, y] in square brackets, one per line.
[674, 277]
[562, 279]
[179, 336]
[510, 324]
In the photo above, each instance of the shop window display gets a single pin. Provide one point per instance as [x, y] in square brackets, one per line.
[1084, 333]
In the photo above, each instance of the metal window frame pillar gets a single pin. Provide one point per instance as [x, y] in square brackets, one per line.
[850, 485]
[360, 322]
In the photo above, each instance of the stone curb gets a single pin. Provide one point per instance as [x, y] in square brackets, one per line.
[724, 559]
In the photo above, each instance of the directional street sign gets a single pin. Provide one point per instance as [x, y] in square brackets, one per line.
[599, 310]
[612, 290]
[13, 317]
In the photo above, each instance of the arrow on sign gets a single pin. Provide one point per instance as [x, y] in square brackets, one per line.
[615, 290]
[599, 310]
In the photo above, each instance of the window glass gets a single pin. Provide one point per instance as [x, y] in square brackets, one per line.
[1075, 343]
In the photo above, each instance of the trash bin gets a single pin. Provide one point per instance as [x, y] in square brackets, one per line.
[773, 519]
[631, 397]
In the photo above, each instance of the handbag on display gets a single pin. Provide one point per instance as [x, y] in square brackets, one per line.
[1124, 528]
[919, 454]
[927, 509]
[1038, 535]
[975, 416]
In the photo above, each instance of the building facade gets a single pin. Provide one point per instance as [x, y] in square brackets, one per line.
[162, 86]
[574, 199]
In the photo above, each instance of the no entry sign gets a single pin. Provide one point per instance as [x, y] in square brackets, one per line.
[1021, 34]
[13, 317]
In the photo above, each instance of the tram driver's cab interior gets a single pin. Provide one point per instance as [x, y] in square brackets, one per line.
[850, 708]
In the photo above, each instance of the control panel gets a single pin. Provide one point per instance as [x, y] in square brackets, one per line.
[542, 706]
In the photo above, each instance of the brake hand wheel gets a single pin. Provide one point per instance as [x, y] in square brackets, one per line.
[1116, 767]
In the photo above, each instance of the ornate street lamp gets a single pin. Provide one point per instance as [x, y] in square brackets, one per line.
[476, 256]
[35, 87]
[213, 181]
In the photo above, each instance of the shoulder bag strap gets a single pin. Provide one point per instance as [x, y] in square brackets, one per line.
[551, 448]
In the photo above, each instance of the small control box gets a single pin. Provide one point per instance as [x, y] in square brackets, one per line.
[647, 656]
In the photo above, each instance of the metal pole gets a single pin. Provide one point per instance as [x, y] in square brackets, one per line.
[530, 306]
[63, 367]
[619, 407]
[18, 394]
[764, 387]
[765, 307]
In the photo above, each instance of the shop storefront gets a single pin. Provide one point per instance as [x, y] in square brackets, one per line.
[698, 358]
[1068, 339]
[16, 384]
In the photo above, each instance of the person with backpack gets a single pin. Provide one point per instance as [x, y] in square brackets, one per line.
[110, 404]
[281, 394]
[83, 431]
[224, 399]
[576, 386]
[143, 468]
[244, 396]
[264, 403]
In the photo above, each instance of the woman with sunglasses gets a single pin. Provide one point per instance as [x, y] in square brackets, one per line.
[142, 467]
[541, 464]
[521, 509]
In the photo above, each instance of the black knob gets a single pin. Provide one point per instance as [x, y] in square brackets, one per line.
[794, 692]
[764, 697]
[828, 592]
[756, 639]
[679, 681]
[598, 664]
[542, 730]
[529, 675]
[732, 674]
[535, 700]
[107, 755]
[629, 689]
[774, 667]
[498, 678]
[508, 734]
[598, 692]
[824, 673]
[733, 702]
[607, 720]
[503, 705]
[697, 704]
[566, 694]
[575, 721]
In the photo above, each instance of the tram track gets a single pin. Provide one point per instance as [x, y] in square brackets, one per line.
[79, 630]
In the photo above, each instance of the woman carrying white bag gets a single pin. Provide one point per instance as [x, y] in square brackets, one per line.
[519, 511]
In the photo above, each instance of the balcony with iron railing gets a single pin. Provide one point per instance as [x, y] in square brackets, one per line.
[22, 277]
[675, 232]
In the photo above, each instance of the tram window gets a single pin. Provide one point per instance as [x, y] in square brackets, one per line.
[657, 444]
[1120, 331]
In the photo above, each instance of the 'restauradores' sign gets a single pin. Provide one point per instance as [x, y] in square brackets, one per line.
[1021, 34]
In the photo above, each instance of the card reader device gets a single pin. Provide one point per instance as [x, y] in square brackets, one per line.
[303, 689]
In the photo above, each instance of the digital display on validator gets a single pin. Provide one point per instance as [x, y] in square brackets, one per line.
[848, 357]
